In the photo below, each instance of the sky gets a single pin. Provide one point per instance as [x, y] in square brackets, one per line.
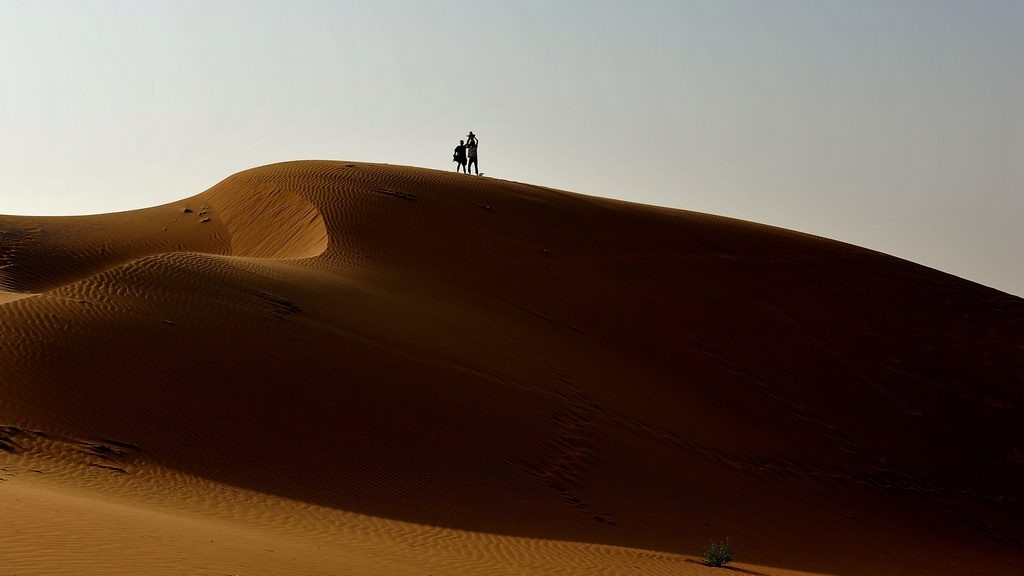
[893, 125]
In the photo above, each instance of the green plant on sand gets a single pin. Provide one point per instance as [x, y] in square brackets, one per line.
[716, 553]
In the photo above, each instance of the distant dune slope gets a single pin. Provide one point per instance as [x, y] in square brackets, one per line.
[37, 254]
[499, 357]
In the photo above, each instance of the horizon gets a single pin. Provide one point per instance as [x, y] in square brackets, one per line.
[895, 127]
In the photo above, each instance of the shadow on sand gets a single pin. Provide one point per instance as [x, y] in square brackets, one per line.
[729, 568]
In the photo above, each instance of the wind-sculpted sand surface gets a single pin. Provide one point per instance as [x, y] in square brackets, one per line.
[344, 368]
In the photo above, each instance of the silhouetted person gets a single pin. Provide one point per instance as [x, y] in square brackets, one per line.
[460, 157]
[471, 145]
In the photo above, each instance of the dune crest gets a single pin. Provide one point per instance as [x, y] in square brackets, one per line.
[328, 363]
[233, 219]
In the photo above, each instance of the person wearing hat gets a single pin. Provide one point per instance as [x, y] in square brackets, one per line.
[471, 144]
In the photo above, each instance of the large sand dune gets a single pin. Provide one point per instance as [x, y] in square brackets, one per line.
[331, 368]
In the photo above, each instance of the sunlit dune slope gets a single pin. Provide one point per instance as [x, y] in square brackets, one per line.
[264, 221]
[494, 357]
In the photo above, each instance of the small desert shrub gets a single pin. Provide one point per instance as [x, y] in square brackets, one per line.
[716, 553]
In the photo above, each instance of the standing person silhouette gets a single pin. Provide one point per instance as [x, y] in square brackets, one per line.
[471, 144]
[460, 157]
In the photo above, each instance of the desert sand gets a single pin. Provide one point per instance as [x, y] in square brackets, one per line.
[348, 368]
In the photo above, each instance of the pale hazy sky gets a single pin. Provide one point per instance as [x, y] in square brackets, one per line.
[894, 125]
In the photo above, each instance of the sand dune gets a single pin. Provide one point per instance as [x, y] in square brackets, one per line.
[346, 368]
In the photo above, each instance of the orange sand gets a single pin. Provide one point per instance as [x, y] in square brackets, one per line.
[331, 368]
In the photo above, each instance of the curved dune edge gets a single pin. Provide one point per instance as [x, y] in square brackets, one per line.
[230, 219]
[463, 375]
[265, 221]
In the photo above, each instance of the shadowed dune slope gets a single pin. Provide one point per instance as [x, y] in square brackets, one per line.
[502, 358]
